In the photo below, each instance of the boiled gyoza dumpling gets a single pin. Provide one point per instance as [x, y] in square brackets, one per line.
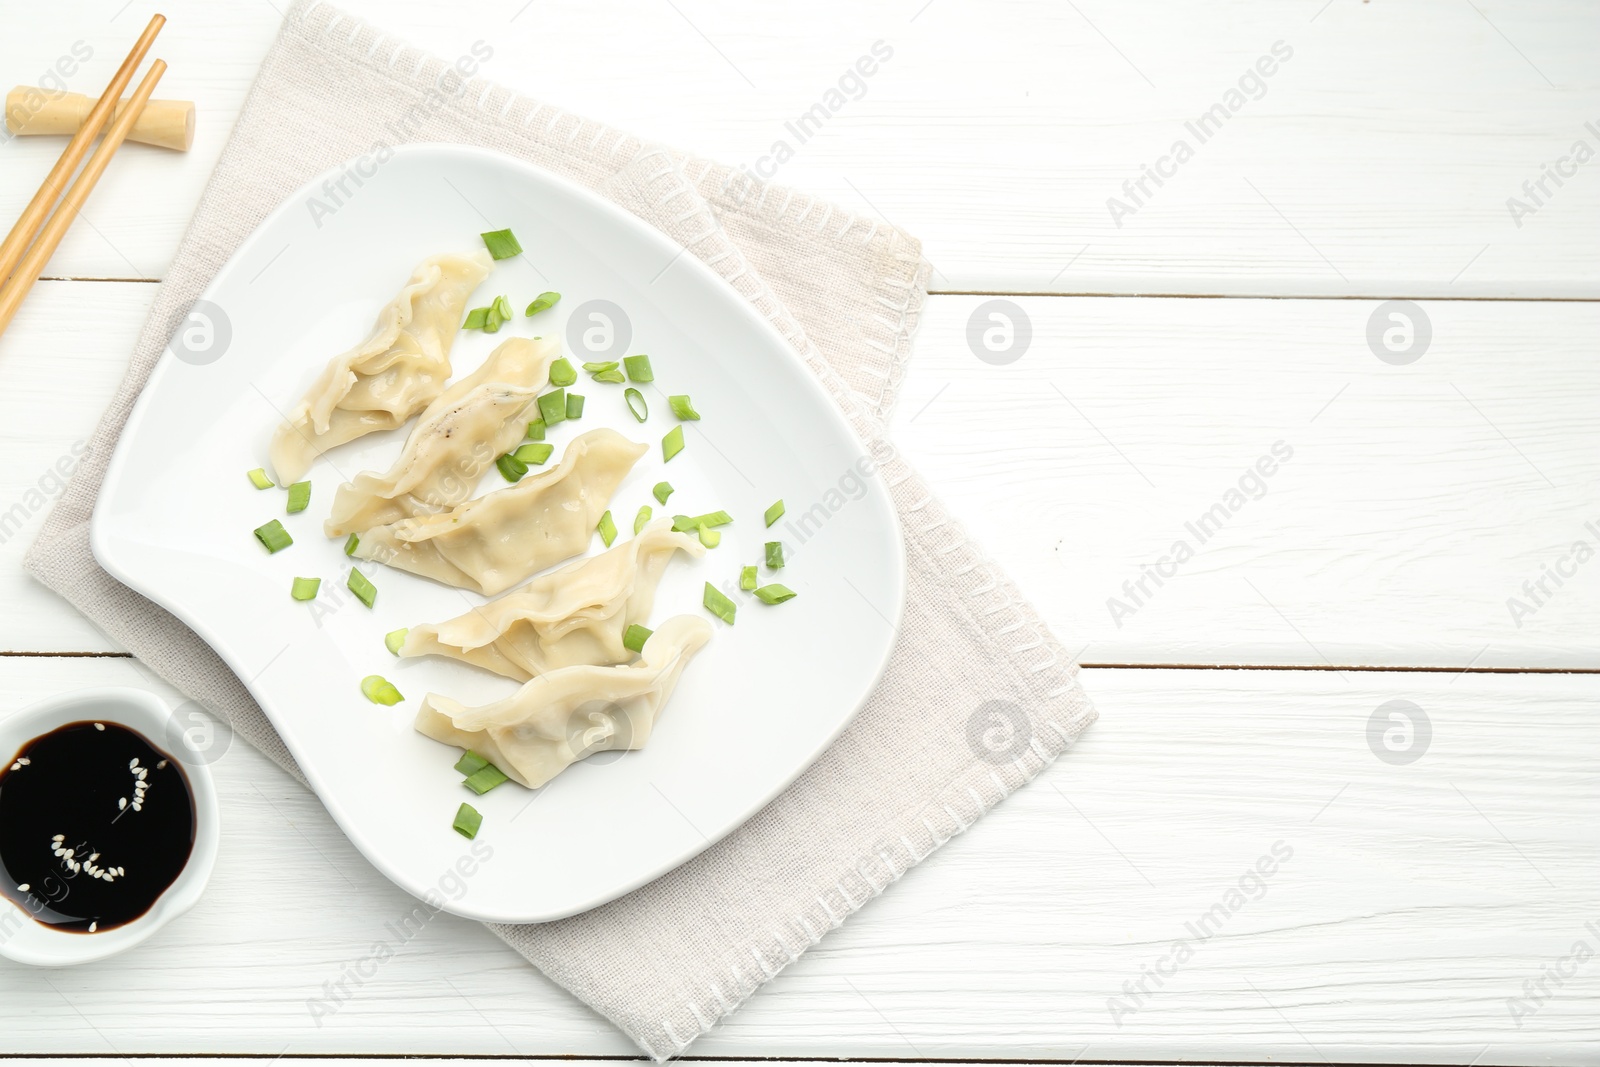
[494, 542]
[458, 437]
[575, 615]
[389, 377]
[561, 717]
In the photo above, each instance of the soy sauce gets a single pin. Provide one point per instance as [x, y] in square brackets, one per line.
[95, 824]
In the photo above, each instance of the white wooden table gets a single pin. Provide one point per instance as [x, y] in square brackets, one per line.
[1440, 910]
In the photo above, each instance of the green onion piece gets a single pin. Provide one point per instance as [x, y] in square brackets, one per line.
[477, 319]
[536, 430]
[379, 690]
[774, 593]
[709, 537]
[640, 519]
[604, 365]
[638, 368]
[685, 523]
[634, 637]
[775, 555]
[305, 588]
[533, 454]
[774, 513]
[636, 404]
[273, 536]
[553, 407]
[299, 497]
[394, 639]
[682, 408]
[608, 529]
[502, 244]
[364, 590]
[543, 302]
[609, 377]
[574, 406]
[719, 605]
[485, 779]
[562, 372]
[467, 821]
[259, 479]
[511, 467]
[470, 763]
[350, 544]
[672, 444]
[747, 579]
[501, 308]
[662, 491]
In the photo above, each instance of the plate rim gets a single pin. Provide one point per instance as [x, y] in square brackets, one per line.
[104, 545]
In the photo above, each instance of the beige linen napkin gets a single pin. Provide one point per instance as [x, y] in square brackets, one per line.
[978, 696]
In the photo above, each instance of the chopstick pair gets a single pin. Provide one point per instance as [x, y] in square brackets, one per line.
[33, 240]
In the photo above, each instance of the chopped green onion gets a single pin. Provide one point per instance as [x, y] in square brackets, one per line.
[610, 377]
[502, 244]
[553, 407]
[305, 588]
[501, 309]
[719, 605]
[709, 537]
[533, 454]
[273, 536]
[364, 590]
[672, 444]
[747, 579]
[685, 523]
[394, 639]
[608, 529]
[467, 821]
[536, 430]
[470, 763]
[774, 513]
[477, 319]
[511, 467]
[638, 368]
[662, 491]
[682, 408]
[574, 406]
[775, 555]
[299, 497]
[543, 302]
[350, 544]
[485, 778]
[640, 519]
[379, 690]
[634, 637]
[774, 593]
[562, 372]
[636, 405]
[259, 479]
[602, 365]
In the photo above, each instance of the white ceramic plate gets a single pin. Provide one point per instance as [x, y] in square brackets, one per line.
[756, 707]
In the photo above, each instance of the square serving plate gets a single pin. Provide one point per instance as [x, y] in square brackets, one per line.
[753, 710]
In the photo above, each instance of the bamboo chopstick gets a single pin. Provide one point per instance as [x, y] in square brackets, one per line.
[38, 208]
[32, 264]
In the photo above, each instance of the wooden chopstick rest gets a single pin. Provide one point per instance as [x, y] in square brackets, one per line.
[31, 112]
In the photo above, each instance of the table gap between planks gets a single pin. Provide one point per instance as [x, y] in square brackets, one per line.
[1401, 548]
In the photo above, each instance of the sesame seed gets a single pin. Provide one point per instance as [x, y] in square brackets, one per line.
[161, 766]
[59, 837]
[24, 887]
[122, 803]
[93, 856]
[100, 726]
[93, 927]
[25, 761]
[17, 766]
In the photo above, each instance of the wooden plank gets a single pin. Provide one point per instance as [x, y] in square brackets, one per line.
[1364, 164]
[1417, 502]
[1409, 904]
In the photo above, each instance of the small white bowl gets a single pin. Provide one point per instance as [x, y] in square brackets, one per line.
[24, 939]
